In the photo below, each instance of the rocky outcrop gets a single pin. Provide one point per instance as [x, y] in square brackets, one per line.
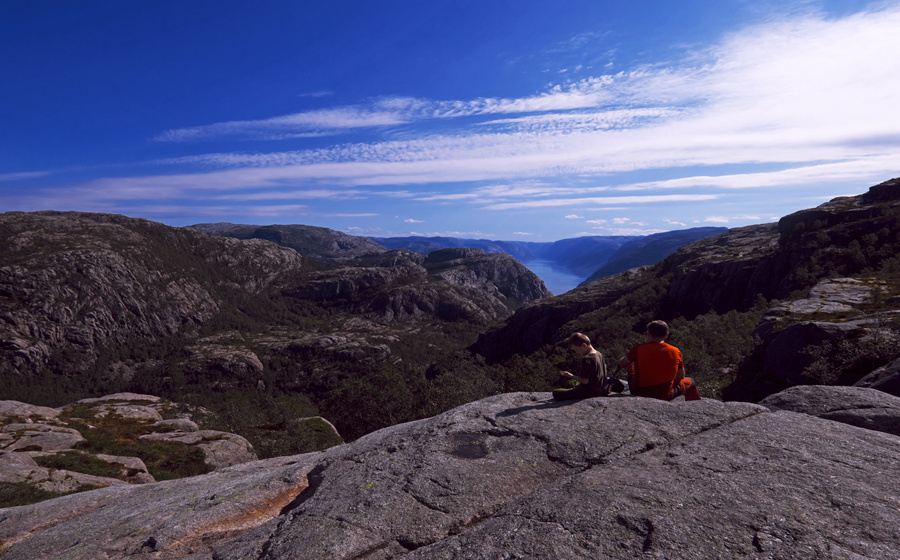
[221, 449]
[831, 336]
[74, 284]
[514, 476]
[449, 284]
[495, 273]
[47, 448]
[727, 271]
[226, 354]
[857, 406]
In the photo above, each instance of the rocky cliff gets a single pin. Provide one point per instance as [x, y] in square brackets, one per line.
[91, 292]
[450, 284]
[521, 476]
[73, 284]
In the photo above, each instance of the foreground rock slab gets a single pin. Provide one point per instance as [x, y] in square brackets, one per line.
[514, 476]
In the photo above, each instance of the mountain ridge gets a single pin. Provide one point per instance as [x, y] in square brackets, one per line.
[586, 256]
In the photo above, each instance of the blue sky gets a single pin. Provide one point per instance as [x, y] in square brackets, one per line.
[514, 120]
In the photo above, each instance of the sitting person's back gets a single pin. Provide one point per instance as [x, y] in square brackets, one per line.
[656, 368]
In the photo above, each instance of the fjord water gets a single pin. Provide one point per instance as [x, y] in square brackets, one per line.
[558, 280]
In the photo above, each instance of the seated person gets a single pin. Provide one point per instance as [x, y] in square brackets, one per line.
[656, 369]
[591, 376]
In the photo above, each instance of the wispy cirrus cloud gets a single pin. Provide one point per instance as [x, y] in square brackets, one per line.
[589, 93]
[811, 94]
[606, 200]
[307, 124]
[804, 100]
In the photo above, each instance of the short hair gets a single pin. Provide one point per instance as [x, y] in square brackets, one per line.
[577, 339]
[657, 329]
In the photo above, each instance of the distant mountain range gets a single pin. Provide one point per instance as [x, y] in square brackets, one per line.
[590, 257]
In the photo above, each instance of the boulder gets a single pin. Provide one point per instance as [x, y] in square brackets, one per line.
[116, 397]
[13, 410]
[61, 481]
[222, 449]
[225, 354]
[514, 476]
[40, 437]
[17, 467]
[178, 425]
[857, 406]
[134, 471]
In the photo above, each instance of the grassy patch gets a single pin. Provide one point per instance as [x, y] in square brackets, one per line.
[80, 462]
[22, 494]
[114, 435]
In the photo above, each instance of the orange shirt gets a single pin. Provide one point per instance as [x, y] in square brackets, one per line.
[655, 363]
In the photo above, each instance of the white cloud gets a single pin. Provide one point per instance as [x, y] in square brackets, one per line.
[5, 177]
[574, 217]
[810, 95]
[413, 221]
[310, 123]
[613, 200]
[717, 219]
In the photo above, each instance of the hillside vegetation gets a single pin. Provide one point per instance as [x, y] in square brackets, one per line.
[366, 337]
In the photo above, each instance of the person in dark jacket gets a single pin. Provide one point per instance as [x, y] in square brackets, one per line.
[591, 375]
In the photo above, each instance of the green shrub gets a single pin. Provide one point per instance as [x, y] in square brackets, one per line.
[114, 435]
[79, 462]
[22, 494]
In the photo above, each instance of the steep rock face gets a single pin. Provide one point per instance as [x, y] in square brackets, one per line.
[828, 337]
[450, 284]
[515, 476]
[72, 283]
[726, 271]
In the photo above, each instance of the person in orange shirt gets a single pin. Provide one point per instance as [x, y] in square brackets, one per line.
[656, 369]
